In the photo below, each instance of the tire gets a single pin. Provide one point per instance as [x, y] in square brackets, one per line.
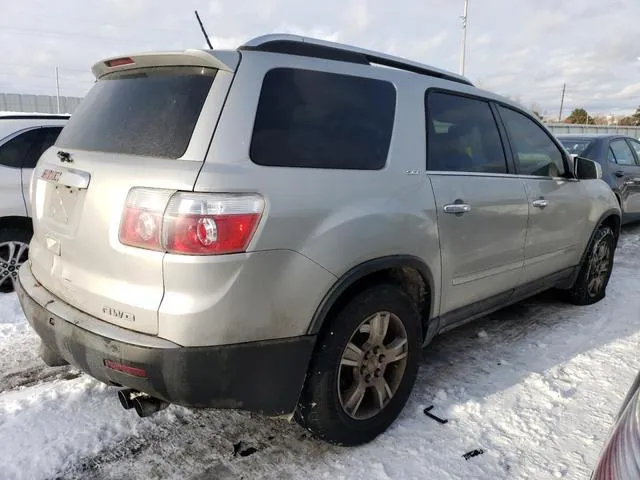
[13, 241]
[589, 289]
[320, 409]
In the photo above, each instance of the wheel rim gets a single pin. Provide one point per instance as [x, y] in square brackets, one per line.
[12, 256]
[599, 268]
[372, 365]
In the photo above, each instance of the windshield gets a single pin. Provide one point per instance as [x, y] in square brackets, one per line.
[575, 146]
[150, 112]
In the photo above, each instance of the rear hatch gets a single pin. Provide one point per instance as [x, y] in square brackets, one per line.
[147, 122]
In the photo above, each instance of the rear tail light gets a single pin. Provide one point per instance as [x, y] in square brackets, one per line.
[190, 223]
[620, 459]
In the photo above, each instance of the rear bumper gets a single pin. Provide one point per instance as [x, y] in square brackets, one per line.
[264, 377]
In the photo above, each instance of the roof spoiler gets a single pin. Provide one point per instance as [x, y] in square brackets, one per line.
[221, 60]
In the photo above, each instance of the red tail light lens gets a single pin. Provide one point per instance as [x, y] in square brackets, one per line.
[141, 224]
[206, 224]
[620, 459]
[190, 223]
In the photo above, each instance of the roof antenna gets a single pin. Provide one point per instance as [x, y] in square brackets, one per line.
[204, 32]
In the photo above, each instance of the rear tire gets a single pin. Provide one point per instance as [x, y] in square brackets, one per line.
[591, 285]
[364, 368]
[14, 251]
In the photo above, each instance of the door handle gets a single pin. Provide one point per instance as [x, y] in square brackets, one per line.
[540, 203]
[619, 173]
[457, 208]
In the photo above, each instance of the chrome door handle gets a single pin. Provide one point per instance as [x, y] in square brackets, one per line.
[540, 203]
[457, 208]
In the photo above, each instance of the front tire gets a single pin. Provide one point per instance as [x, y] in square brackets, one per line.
[364, 368]
[595, 271]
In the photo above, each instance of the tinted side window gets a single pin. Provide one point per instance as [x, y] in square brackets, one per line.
[623, 153]
[535, 153]
[462, 135]
[13, 152]
[46, 137]
[636, 146]
[322, 120]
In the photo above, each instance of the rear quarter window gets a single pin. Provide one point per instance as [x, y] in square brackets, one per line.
[311, 119]
[149, 112]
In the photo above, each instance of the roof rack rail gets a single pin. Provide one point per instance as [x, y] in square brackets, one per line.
[312, 47]
[34, 116]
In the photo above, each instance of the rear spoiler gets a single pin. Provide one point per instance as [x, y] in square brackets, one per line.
[220, 59]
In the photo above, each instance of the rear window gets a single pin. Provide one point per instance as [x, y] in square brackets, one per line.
[316, 119]
[576, 147]
[150, 112]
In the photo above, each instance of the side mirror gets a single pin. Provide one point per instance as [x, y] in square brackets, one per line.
[585, 169]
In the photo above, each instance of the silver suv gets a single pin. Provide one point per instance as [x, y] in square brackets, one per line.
[280, 228]
[23, 138]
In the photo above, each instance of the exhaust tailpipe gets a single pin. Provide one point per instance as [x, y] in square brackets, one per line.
[146, 405]
[126, 397]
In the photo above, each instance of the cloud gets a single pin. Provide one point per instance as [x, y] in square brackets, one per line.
[528, 48]
[357, 16]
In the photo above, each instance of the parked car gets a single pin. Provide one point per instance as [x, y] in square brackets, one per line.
[280, 228]
[23, 138]
[619, 157]
[620, 457]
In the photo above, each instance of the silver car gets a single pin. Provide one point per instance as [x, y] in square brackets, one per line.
[280, 228]
[23, 138]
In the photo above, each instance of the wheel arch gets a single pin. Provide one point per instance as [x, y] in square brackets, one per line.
[16, 222]
[408, 272]
[610, 218]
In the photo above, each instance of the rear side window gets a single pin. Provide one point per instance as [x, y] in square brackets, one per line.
[313, 119]
[46, 137]
[150, 112]
[535, 153]
[14, 151]
[636, 146]
[462, 135]
[622, 152]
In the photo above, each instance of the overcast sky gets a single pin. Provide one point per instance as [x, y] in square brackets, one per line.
[525, 49]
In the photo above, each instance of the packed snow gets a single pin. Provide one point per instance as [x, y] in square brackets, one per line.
[528, 392]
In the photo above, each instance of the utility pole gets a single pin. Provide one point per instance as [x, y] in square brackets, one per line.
[564, 87]
[464, 36]
[57, 90]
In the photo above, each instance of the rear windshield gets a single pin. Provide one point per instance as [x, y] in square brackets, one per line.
[150, 112]
[576, 147]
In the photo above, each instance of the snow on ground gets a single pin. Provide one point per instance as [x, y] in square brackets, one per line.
[535, 387]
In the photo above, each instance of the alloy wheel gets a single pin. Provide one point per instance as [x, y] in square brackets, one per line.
[599, 268]
[12, 256]
[372, 365]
